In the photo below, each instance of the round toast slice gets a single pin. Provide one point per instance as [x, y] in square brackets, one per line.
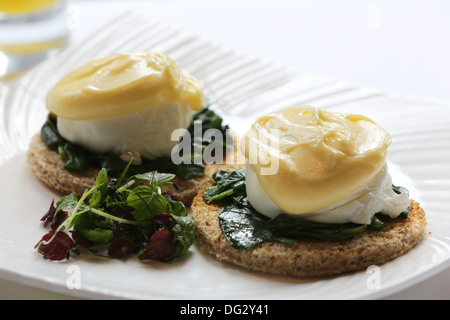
[310, 257]
[47, 165]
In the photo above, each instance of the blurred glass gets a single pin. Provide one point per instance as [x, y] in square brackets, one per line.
[30, 31]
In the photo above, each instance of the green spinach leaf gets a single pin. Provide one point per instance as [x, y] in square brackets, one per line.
[50, 135]
[227, 184]
[75, 157]
[243, 226]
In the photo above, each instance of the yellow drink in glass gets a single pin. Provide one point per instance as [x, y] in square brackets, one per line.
[14, 7]
[31, 30]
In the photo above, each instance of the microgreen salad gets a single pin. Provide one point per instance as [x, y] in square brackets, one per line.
[117, 218]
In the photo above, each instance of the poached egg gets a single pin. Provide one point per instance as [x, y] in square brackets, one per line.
[326, 167]
[126, 102]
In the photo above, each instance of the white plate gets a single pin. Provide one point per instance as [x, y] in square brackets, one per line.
[243, 88]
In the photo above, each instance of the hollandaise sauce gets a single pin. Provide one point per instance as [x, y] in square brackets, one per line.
[123, 83]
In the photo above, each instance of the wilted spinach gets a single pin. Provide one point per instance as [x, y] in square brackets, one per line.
[227, 184]
[75, 157]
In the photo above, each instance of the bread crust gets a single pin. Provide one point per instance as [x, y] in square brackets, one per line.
[308, 257]
[47, 165]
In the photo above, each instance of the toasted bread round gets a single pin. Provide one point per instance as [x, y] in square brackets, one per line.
[308, 257]
[47, 165]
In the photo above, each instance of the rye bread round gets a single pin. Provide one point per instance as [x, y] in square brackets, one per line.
[308, 257]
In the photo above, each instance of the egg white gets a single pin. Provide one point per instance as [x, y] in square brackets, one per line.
[358, 207]
[146, 133]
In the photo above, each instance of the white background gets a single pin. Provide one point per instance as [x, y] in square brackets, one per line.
[401, 46]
